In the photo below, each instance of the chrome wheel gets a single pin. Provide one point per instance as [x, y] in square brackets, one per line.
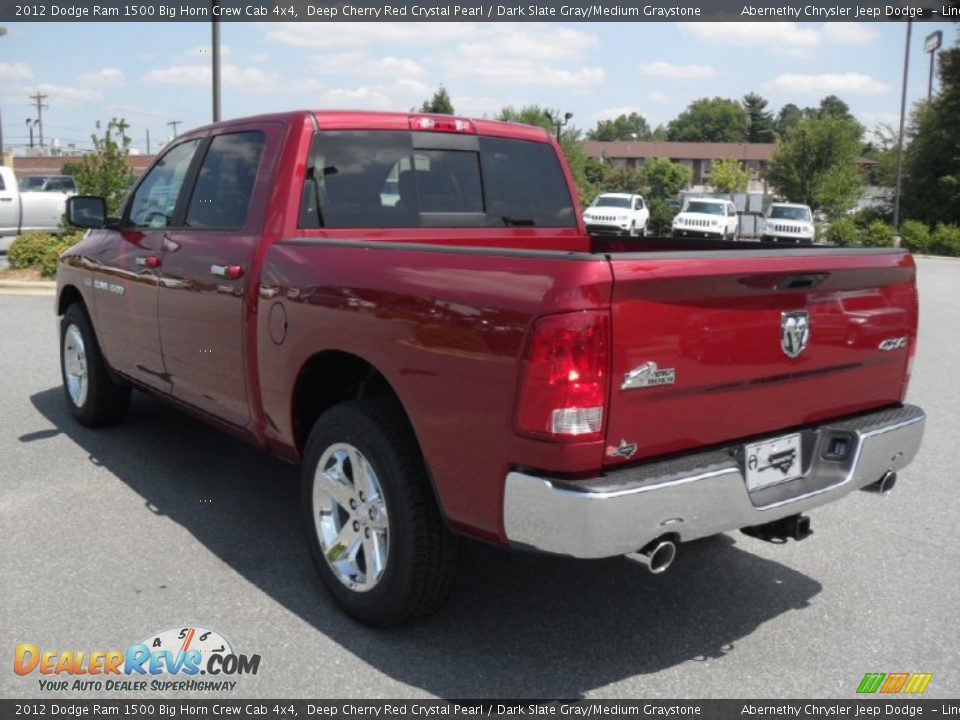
[75, 365]
[350, 517]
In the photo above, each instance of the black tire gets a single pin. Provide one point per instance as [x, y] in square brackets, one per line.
[423, 558]
[105, 401]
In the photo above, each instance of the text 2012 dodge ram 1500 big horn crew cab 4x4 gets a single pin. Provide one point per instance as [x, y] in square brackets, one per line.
[410, 307]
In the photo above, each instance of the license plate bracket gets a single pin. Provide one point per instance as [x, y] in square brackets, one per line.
[772, 462]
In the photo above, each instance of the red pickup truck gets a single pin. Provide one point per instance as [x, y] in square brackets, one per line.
[410, 307]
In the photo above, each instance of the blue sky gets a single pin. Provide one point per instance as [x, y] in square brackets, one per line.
[154, 72]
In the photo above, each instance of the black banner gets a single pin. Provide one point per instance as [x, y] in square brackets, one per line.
[475, 10]
[578, 710]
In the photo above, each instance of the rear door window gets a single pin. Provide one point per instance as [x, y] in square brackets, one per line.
[391, 179]
[221, 195]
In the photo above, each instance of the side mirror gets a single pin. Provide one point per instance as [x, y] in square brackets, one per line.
[87, 211]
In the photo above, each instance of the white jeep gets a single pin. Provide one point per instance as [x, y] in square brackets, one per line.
[707, 218]
[788, 222]
[620, 213]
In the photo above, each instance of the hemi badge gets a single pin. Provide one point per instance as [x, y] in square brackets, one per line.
[647, 375]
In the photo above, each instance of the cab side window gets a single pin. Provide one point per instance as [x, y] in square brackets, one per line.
[224, 186]
[154, 202]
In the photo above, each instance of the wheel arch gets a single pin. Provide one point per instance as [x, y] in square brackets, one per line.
[69, 295]
[330, 377]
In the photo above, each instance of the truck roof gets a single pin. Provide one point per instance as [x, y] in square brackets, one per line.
[619, 195]
[785, 204]
[377, 120]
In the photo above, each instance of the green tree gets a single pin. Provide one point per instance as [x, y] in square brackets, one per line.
[439, 103]
[832, 106]
[664, 178]
[931, 187]
[817, 164]
[788, 116]
[761, 127]
[729, 176]
[624, 127]
[710, 120]
[105, 171]
[623, 180]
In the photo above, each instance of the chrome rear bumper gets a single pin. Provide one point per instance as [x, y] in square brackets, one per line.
[703, 494]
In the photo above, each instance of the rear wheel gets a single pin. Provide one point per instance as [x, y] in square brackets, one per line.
[373, 526]
[93, 396]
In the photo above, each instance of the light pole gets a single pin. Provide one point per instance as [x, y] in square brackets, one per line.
[3, 31]
[930, 46]
[903, 117]
[30, 124]
[215, 58]
[560, 124]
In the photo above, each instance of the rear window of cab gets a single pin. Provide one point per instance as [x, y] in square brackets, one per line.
[360, 179]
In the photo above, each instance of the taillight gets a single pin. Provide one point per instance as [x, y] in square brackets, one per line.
[563, 389]
[441, 124]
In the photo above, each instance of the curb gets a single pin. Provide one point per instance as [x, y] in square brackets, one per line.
[36, 288]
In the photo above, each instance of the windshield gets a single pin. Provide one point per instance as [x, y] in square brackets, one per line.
[609, 201]
[32, 183]
[781, 212]
[706, 208]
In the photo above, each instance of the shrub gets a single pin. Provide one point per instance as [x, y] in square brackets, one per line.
[40, 251]
[916, 236]
[945, 240]
[878, 234]
[661, 217]
[844, 232]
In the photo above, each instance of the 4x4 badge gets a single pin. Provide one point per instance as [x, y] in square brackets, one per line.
[794, 332]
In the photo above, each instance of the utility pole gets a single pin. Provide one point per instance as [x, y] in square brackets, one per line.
[215, 58]
[30, 124]
[38, 99]
[148, 141]
[903, 116]
[3, 31]
[173, 124]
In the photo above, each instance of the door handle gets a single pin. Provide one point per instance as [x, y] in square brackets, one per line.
[150, 261]
[231, 272]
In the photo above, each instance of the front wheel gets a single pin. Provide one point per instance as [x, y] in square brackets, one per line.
[376, 535]
[93, 396]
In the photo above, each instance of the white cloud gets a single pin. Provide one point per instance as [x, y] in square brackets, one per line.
[780, 37]
[357, 63]
[107, 77]
[249, 78]
[525, 55]
[854, 33]
[361, 98]
[826, 84]
[68, 95]
[871, 120]
[363, 34]
[15, 71]
[677, 72]
[657, 96]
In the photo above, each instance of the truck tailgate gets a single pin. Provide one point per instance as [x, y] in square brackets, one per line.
[702, 341]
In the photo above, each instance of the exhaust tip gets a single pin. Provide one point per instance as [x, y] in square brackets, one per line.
[884, 485]
[658, 556]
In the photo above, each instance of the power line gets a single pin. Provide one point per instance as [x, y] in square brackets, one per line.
[38, 98]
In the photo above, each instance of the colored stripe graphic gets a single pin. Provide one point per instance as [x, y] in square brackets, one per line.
[871, 682]
[894, 682]
[918, 682]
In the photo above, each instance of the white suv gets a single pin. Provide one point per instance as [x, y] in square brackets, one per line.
[620, 213]
[707, 217]
[788, 222]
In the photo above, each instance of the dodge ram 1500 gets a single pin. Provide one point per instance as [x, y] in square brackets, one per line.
[410, 307]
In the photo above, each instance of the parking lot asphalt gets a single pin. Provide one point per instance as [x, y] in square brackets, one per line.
[107, 537]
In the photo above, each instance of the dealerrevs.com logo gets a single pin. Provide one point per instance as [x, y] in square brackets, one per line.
[172, 660]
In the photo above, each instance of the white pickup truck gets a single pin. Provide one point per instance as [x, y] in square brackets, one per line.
[22, 212]
[620, 213]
